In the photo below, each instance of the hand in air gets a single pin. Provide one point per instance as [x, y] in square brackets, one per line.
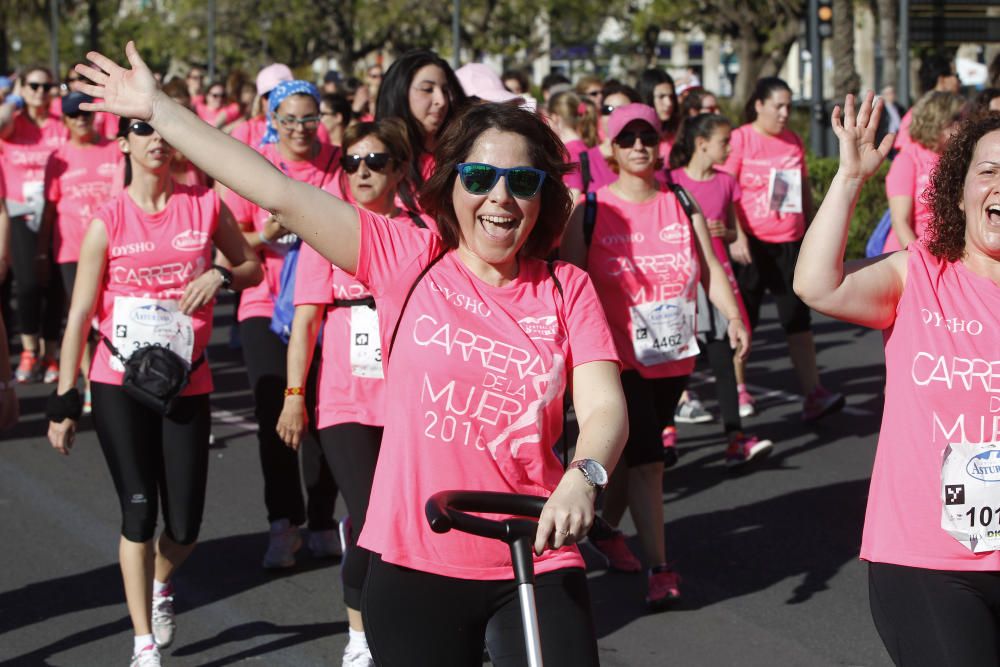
[129, 93]
[859, 156]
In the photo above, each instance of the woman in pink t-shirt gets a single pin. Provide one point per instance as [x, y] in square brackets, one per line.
[290, 144]
[28, 135]
[575, 121]
[349, 411]
[489, 337]
[646, 258]
[931, 526]
[769, 161]
[146, 260]
[656, 88]
[935, 117]
[216, 108]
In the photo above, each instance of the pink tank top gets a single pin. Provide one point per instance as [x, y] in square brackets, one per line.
[152, 257]
[942, 382]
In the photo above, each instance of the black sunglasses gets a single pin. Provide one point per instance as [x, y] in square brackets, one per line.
[375, 161]
[626, 139]
[141, 128]
[479, 179]
[36, 86]
[79, 114]
[606, 109]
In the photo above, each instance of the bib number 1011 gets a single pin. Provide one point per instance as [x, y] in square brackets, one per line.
[984, 515]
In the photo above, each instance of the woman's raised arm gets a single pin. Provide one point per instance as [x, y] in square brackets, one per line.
[326, 223]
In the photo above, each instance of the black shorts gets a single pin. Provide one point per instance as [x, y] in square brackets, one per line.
[651, 404]
[772, 270]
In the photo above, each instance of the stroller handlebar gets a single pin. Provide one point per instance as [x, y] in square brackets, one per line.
[446, 510]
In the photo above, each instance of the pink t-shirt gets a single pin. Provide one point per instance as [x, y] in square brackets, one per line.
[941, 388]
[714, 197]
[753, 158]
[211, 116]
[258, 301]
[600, 173]
[475, 384]
[251, 131]
[644, 253]
[156, 256]
[909, 176]
[78, 181]
[24, 153]
[903, 138]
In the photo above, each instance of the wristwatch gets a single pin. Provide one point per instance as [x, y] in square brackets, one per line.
[227, 275]
[595, 474]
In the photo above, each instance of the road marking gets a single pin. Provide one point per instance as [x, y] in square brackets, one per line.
[236, 420]
[763, 393]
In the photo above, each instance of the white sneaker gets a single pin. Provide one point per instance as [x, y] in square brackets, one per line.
[325, 543]
[284, 542]
[164, 623]
[355, 657]
[147, 657]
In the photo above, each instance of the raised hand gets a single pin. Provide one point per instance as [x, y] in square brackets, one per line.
[130, 93]
[859, 156]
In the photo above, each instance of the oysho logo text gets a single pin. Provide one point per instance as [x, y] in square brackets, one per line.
[952, 324]
[133, 248]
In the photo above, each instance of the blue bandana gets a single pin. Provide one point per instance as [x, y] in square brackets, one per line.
[277, 96]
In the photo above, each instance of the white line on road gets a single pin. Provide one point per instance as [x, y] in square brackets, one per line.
[763, 393]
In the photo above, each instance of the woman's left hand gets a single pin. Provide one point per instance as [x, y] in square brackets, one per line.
[200, 291]
[739, 337]
[717, 228]
[568, 514]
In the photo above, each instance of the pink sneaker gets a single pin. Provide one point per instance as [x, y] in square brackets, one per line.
[742, 448]
[663, 588]
[617, 553]
[669, 437]
[747, 407]
[821, 402]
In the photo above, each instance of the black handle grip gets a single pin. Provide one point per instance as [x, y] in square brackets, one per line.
[446, 510]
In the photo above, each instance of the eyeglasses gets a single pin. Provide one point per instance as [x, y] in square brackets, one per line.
[79, 114]
[606, 109]
[216, 95]
[141, 128]
[479, 179]
[626, 139]
[375, 161]
[594, 94]
[712, 108]
[36, 86]
[289, 122]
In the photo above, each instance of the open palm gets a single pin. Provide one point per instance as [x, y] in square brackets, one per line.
[129, 93]
[859, 156]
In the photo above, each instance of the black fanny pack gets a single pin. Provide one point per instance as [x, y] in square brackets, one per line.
[155, 376]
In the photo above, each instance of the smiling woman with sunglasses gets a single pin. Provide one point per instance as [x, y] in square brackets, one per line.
[28, 135]
[147, 257]
[349, 402]
[646, 258]
[490, 340]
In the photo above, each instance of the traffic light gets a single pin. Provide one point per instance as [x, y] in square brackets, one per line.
[824, 18]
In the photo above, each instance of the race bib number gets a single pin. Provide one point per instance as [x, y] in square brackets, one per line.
[970, 495]
[664, 331]
[140, 322]
[34, 201]
[366, 344]
[784, 191]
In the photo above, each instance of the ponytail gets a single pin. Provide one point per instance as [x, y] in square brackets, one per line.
[692, 128]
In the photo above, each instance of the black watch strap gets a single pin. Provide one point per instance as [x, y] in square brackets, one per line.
[227, 275]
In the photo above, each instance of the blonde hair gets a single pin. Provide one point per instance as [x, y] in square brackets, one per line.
[580, 114]
[933, 113]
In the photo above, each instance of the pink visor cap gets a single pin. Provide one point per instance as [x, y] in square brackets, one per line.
[479, 80]
[627, 113]
[271, 76]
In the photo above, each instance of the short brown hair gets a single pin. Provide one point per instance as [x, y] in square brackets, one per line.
[547, 153]
[946, 230]
[931, 114]
[390, 132]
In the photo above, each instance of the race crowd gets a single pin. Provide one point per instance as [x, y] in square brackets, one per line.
[440, 241]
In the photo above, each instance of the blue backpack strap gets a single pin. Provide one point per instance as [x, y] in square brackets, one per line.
[589, 217]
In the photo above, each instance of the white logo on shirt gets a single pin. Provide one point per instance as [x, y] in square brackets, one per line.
[190, 240]
[133, 248]
[461, 301]
[952, 324]
[542, 328]
[623, 239]
[673, 233]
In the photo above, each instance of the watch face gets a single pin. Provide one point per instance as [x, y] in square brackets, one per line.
[595, 471]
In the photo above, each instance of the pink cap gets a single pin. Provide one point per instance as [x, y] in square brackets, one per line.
[481, 81]
[625, 114]
[271, 76]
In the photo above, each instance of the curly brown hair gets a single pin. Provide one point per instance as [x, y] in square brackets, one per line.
[547, 153]
[946, 231]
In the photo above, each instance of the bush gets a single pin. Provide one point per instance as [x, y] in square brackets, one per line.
[872, 202]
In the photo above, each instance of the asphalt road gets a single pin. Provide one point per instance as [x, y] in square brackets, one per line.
[769, 557]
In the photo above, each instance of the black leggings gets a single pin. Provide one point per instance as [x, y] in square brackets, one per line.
[265, 357]
[651, 404]
[155, 459]
[415, 618]
[39, 307]
[936, 618]
[352, 451]
[720, 358]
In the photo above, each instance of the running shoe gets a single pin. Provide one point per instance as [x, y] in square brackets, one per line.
[821, 402]
[743, 447]
[669, 437]
[692, 411]
[357, 657]
[663, 587]
[164, 624]
[27, 368]
[346, 534]
[147, 657]
[325, 543]
[615, 550]
[284, 541]
[747, 407]
[51, 367]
